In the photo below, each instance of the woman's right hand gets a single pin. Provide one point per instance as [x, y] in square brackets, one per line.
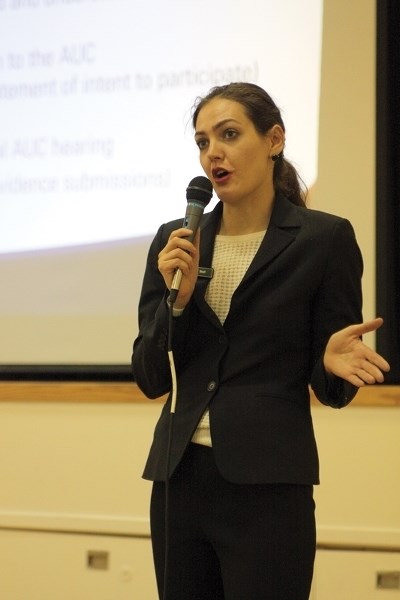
[180, 253]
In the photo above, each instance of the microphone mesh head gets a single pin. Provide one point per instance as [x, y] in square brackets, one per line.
[199, 189]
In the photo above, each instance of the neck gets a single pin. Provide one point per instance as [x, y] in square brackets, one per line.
[242, 220]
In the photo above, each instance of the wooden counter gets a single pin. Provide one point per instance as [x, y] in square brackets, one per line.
[126, 392]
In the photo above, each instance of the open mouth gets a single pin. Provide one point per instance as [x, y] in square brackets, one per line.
[219, 174]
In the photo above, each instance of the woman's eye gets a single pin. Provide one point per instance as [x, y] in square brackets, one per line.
[230, 133]
[201, 144]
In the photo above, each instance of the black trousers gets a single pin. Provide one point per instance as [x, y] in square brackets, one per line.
[228, 541]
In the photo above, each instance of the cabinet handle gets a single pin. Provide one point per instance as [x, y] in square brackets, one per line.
[388, 580]
[97, 560]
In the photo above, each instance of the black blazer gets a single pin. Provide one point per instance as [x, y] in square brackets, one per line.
[254, 371]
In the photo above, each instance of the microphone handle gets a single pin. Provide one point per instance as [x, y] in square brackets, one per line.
[192, 219]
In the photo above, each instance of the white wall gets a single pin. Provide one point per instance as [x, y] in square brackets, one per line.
[346, 170]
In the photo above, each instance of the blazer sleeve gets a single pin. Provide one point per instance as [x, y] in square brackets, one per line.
[338, 304]
[150, 361]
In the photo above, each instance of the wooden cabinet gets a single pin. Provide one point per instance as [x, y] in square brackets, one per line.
[69, 566]
[74, 508]
[356, 575]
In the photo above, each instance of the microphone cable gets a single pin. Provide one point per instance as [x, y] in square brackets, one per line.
[198, 195]
[169, 444]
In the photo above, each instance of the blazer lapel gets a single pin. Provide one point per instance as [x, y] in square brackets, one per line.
[208, 230]
[282, 230]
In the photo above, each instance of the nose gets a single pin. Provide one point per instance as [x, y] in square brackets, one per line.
[214, 150]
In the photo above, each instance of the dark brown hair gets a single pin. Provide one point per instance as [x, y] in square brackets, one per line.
[264, 114]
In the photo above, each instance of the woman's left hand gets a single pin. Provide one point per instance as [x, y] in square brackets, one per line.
[349, 358]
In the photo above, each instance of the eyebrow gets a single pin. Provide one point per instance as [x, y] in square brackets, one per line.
[217, 125]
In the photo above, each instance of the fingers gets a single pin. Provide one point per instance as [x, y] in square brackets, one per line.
[377, 361]
[372, 366]
[366, 327]
[180, 253]
[361, 377]
[371, 373]
[348, 357]
[355, 380]
[177, 253]
[179, 240]
[368, 368]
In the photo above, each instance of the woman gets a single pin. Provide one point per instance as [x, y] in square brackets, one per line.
[281, 312]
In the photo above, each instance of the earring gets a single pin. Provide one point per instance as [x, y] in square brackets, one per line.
[275, 157]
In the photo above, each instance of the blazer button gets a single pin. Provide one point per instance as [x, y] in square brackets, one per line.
[211, 386]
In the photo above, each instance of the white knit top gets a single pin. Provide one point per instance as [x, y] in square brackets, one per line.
[231, 259]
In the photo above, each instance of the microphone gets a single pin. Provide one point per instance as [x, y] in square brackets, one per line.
[198, 195]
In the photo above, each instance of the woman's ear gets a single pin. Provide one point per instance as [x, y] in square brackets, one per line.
[277, 140]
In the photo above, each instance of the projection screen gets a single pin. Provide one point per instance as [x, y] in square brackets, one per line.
[96, 150]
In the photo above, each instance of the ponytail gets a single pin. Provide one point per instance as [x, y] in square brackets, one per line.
[288, 182]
